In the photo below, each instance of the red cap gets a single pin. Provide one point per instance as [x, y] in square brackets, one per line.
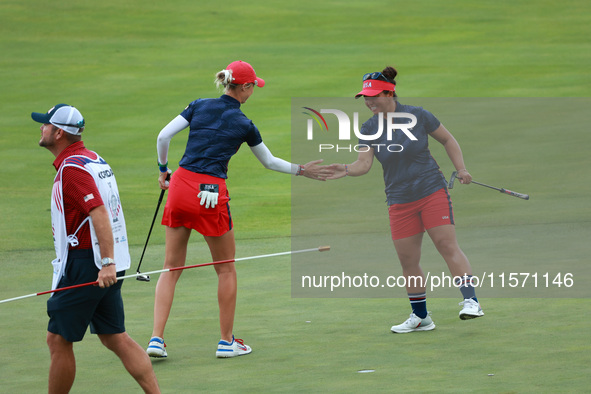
[243, 72]
[373, 87]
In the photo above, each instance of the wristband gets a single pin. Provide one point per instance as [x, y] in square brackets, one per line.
[346, 170]
[300, 170]
[163, 167]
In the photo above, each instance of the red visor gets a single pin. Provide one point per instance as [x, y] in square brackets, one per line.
[373, 87]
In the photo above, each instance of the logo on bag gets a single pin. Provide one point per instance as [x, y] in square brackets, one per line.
[105, 174]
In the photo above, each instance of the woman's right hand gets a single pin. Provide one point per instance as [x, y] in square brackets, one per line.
[314, 170]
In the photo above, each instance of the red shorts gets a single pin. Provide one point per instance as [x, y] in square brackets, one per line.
[415, 217]
[183, 207]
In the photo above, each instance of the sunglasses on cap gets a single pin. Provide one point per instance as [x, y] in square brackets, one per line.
[78, 124]
[377, 76]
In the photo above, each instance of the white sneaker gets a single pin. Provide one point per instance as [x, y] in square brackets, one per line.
[156, 348]
[232, 349]
[470, 309]
[414, 323]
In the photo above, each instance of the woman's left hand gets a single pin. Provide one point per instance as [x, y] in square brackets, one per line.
[164, 178]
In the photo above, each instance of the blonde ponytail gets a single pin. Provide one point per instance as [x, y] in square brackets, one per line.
[223, 78]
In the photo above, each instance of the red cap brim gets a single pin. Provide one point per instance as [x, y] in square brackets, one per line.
[260, 82]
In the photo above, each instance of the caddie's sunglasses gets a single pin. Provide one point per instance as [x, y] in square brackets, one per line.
[377, 76]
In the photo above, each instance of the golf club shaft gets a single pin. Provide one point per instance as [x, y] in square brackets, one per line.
[319, 249]
[503, 190]
[506, 191]
[482, 184]
[151, 227]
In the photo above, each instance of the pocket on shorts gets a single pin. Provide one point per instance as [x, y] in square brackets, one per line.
[80, 270]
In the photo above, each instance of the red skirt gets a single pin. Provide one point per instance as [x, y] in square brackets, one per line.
[183, 207]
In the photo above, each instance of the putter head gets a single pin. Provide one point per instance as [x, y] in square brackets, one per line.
[143, 278]
[452, 178]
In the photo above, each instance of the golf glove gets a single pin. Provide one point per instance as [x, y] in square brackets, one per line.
[208, 195]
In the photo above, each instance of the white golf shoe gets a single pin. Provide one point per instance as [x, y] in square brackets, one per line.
[232, 349]
[156, 348]
[470, 309]
[414, 323]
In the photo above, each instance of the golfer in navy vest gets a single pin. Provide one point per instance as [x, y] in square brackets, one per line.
[198, 198]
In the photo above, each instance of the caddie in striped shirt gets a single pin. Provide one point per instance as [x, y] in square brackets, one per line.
[90, 242]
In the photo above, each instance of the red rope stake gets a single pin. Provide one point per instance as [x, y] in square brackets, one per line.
[319, 249]
[67, 288]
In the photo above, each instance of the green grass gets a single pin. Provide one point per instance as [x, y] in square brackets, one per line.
[132, 66]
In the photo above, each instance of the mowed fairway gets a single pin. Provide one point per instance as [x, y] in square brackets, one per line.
[132, 66]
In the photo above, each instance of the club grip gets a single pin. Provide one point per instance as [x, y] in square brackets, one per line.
[515, 194]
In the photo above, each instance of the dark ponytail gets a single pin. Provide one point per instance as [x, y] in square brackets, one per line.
[390, 73]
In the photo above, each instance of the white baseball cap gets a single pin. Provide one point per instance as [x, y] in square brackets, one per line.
[63, 116]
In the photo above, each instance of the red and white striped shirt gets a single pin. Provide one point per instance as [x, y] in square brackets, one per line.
[80, 194]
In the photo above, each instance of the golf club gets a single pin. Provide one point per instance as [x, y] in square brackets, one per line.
[453, 177]
[142, 277]
[318, 249]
